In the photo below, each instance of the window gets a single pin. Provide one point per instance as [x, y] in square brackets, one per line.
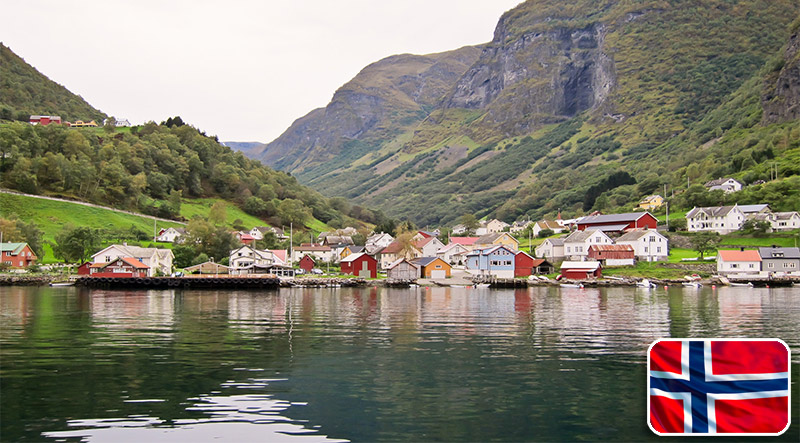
[734, 265]
[658, 249]
[752, 266]
[108, 258]
[771, 265]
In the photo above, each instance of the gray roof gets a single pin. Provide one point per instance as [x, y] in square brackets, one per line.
[424, 261]
[557, 241]
[613, 218]
[778, 253]
[785, 215]
[719, 181]
[580, 236]
[712, 211]
[753, 208]
[635, 234]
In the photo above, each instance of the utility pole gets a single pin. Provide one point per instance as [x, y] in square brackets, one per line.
[291, 246]
[155, 235]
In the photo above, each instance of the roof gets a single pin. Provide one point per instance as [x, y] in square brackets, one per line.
[205, 264]
[557, 241]
[424, 241]
[130, 261]
[426, 234]
[719, 181]
[397, 262]
[136, 251]
[449, 247]
[738, 255]
[581, 236]
[539, 262]
[313, 248]
[465, 241]
[279, 253]
[609, 248]
[394, 247]
[492, 250]
[548, 224]
[785, 215]
[636, 234]
[610, 228]
[748, 209]
[338, 240]
[611, 251]
[587, 265]
[490, 238]
[353, 257]
[613, 218]
[13, 248]
[354, 249]
[768, 253]
[711, 211]
[523, 252]
[425, 261]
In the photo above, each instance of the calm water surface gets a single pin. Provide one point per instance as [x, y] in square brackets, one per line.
[435, 364]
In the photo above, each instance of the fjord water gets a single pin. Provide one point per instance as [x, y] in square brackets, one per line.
[369, 364]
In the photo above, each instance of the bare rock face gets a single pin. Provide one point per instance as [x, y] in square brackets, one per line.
[538, 77]
[781, 99]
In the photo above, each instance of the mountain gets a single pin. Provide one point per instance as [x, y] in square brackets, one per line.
[562, 97]
[24, 91]
[147, 168]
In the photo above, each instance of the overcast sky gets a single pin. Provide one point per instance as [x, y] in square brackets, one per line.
[242, 70]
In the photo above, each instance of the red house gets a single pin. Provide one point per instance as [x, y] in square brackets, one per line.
[85, 268]
[121, 267]
[618, 222]
[17, 255]
[307, 263]
[45, 119]
[523, 264]
[580, 270]
[360, 265]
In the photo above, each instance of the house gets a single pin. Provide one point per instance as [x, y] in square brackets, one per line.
[245, 238]
[319, 252]
[523, 264]
[347, 232]
[618, 222]
[519, 226]
[739, 261]
[546, 224]
[159, 261]
[494, 226]
[497, 238]
[247, 256]
[459, 229]
[785, 221]
[360, 265]
[775, 259]
[17, 255]
[402, 270]
[542, 266]
[337, 240]
[393, 252]
[429, 246]
[421, 235]
[171, 235]
[120, 267]
[647, 244]
[208, 267]
[84, 268]
[44, 119]
[123, 122]
[350, 249]
[432, 267]
[552, 248]
[376, 242]
[497, 261]
[576, 245]
[581, 270]
[453, 253]
[83, 124]
[612, 255]
[651, 202]
[307, 263]
[751, 211]
[719, 219]
[259, 232]
[727, 185]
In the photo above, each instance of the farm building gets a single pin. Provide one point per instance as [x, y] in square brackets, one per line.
[360, 265]
[580, 270]
[612, 255]
[432, 267]
[402, 269]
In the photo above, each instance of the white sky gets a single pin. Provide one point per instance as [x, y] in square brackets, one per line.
[242, 70]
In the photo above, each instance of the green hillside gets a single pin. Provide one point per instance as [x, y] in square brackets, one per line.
[24, 91]
[564, 100]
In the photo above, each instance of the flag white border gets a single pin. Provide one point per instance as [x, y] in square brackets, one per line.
[713, 397]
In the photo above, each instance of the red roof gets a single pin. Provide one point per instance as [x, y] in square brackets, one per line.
[128, 260]
[420, 244]
[464, 241]
[280, 253]
[737, 255]
[393, 248]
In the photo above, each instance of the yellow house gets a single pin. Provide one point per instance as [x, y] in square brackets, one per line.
[651, 202]
[496, 239]
[350, 249]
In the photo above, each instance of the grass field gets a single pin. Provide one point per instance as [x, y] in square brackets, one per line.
[202, 207]
[650, 270]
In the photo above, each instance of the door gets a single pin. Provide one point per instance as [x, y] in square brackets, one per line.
[439, 274]
[364, 272]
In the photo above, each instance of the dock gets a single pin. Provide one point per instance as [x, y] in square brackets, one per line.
[187, 282]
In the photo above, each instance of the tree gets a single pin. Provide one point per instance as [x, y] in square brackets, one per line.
[16, 230]
[407, 248]
[544, 233]
[218, 213]
[705, 242]
[470, 222]
[758, 228]
[76, 244]
[110, 125]
[293, 211]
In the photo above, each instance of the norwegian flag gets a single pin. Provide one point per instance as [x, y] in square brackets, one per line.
[718, 386]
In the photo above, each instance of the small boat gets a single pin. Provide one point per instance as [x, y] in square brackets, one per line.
[645, 283]
[62, 283]
[692, 284]
[482, 285]
[743, 285]
[572, 285]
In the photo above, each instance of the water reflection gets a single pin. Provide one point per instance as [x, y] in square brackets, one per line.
[357, 364]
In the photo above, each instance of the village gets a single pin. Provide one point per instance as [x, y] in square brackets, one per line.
[573, 251]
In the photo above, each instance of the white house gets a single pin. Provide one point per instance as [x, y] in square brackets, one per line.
[246, 256]
[547, 224]
[784, 221]
[519, 226]
[738, 262]
[319, 253]
[159, 260]
[495, 225]
[576, 245]
[376, 242]
[726, 185]
[429, 246]
[720, 219]
[171, 235]
[648, 244]
[453, 253]
[551, 248]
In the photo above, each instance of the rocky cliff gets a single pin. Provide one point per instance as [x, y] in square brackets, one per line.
[781, 100]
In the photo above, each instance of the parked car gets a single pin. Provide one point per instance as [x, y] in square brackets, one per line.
[317, 271]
